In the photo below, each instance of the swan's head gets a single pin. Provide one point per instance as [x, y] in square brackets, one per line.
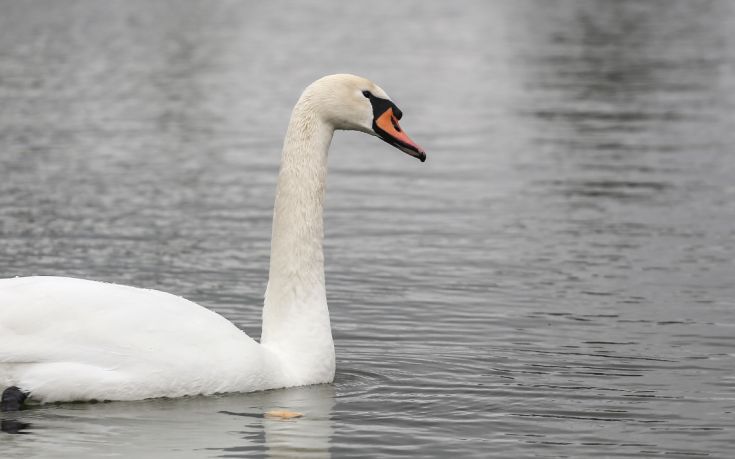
[354, 103]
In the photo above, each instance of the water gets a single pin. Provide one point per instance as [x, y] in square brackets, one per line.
[555, 281]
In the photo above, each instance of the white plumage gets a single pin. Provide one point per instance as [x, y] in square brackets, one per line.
[73, 339]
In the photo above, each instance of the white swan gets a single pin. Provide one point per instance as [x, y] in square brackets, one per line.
[64, 339]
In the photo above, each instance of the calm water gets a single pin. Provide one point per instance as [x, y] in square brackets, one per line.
[557, 280]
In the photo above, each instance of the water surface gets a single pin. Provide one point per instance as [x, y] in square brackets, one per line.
[555, 281]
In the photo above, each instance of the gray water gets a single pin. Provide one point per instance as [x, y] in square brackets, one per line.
[557, 280]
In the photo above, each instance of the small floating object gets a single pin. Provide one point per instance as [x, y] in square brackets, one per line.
[283, 414]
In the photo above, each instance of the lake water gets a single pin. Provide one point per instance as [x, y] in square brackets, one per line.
[557, 280]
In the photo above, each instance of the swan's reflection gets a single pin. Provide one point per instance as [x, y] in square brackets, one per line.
[232, 425]
[309, 436]
[14, 426]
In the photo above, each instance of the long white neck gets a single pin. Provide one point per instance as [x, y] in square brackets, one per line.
[295, 316]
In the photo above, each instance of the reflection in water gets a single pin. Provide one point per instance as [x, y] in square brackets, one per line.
[230, 425]
[13, 426]
[307, 436]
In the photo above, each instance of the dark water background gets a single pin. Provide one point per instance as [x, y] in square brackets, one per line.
[556, 281]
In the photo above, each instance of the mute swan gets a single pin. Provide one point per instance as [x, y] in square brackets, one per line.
[65, 339]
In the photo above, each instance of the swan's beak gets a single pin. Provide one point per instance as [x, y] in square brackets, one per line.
[387, 127]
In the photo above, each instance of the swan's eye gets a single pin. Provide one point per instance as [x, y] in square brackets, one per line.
[367, 94]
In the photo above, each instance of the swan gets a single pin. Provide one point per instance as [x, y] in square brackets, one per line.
[67, 339]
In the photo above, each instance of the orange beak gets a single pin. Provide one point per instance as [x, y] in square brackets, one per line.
[390, 131]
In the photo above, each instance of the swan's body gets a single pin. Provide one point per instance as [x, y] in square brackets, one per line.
[64, 339]
[76, 339]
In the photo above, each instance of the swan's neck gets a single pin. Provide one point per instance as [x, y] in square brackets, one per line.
[295, 316]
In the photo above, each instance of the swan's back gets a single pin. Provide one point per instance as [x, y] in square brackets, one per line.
[62, 336]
